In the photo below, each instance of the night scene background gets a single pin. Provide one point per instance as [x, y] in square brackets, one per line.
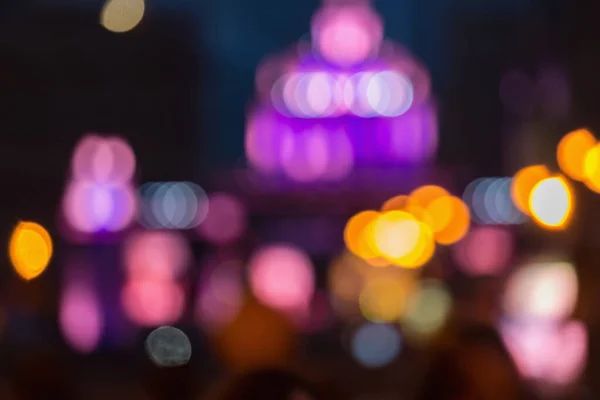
[332, 199]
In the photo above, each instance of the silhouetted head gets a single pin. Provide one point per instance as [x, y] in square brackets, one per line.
[270, 384]
[476, 367]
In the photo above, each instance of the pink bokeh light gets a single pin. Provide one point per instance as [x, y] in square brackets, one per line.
[554, 354]
[89, 207]
[282, 277]
[485, 251]
[103, 160]
[149, 302]
[81, 318]
[225, 221]
[347, 34]
[163, 255]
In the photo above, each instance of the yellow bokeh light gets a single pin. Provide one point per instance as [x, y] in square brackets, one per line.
[384, 299]
[571, 153]
[122, 15]
[30, 249]
[523, 182]
[395, 234]
[591, 165]
[551, 203]
[451, 219]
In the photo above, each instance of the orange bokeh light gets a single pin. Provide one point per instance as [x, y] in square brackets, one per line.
[452, 219]
[425, 195]
[571, 153]
[524, 182]
[356, 233]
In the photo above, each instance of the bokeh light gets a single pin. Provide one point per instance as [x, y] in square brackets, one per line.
[551, 203]
[376, 345]
[427, 310]
[542, 291]
[90, 207]
[347, 35]
[168, 347]
[172, 205]
[225, 221]
[149, 302]
[486, 250]
[30, 249]
[282, 277]
[591, 168]
[384, 299]
[163, 255]
[103, 160]
[571, 153]
[491, 202]
[81, 318]
[551, 354]
[122, 15]
[523, 183]
[451, 218]
[356, 235]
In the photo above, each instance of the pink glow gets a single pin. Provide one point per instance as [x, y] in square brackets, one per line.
[262, 140]
[225, 221]
[81, 320]
[282, 277]
[103, 160]
[153, 302]
[347, 35]
[89, 207]
[485, 251]
[156, 255]
[552, 353]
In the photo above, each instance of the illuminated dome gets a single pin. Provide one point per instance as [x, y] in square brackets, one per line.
[350, 99]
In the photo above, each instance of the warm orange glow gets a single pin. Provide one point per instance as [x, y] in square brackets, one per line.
[395, 203]
[30, 249]
[452, 219]
[395, 234]
[424, 195]
[523, 183]
[551, 203]
[571, 152]
[356, 234]
[591, 169]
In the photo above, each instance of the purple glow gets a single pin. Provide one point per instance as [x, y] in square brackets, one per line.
[358, 101]
[90, 207]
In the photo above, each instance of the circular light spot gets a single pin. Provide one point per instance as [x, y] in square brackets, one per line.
[542, 291]
[524, 182]
[168, 347]
[427, 310]
[376, 345]
[282, 277]
[30, 249]
[122, 15]
[551, 203]
[571, 152]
